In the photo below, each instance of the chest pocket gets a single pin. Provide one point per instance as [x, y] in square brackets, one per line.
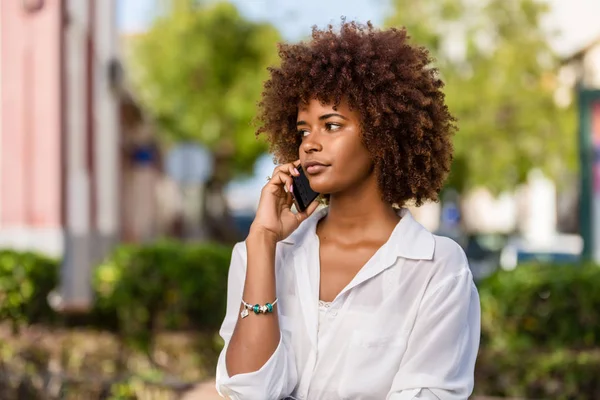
[372, 360]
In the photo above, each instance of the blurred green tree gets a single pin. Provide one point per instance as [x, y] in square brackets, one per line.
[501, 76]
[199, 70]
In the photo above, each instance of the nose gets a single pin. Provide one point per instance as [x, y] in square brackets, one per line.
[311, 144]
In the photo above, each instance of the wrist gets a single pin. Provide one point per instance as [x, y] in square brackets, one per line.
[262, 235]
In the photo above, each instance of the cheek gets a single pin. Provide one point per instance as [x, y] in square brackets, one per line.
[356, 161]
[352, 164]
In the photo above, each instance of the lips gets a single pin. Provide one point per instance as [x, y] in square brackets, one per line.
[314, 167]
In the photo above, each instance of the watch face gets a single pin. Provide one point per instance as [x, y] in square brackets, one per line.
[32, 5]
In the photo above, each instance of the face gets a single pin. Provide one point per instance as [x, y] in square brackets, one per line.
[332, 153]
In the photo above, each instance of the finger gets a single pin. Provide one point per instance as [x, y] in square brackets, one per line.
[289, 201]
[280, 168]
[289, 168]
[281, 180]
[293, 170]
[296, 164]
[309, 210]
[312, 207]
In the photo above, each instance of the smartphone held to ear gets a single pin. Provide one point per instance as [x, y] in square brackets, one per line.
[303, 194]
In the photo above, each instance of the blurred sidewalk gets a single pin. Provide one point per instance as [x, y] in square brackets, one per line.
[204, 391]
[207, 391]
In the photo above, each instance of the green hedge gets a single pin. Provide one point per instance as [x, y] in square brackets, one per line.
[138, 289]
[540, 323]
[25, 280]
[541, 333]
[163, 286]
[558, 373]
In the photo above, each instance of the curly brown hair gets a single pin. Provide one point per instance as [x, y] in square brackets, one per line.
[405, 123]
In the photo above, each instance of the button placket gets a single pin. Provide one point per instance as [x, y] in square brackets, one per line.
[307, 375]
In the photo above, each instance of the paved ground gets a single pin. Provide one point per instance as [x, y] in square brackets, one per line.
[205, 391]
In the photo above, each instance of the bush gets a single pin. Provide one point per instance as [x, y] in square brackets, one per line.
[166, 285]
[203, 284]
[540, 323]
[26, 279]
[542, 305]
[539, 374]
[541, 332]
[139, 289]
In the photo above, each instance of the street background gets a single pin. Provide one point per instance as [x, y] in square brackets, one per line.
[129, 167]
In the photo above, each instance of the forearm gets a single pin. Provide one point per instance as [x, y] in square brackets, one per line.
[256, 337]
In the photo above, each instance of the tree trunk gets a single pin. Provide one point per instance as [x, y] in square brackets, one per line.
[217, 219]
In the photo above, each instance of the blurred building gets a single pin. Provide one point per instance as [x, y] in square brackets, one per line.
[31, 123]
[536, 209]
[151, 198]
[579, 80]
[59, 133]
[141, 176]
[530, 210]
[582, 68]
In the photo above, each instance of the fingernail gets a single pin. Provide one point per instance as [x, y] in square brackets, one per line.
[292, 188]
[285, 188]
[296, 171]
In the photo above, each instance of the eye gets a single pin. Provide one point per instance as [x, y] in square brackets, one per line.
[303, 133]
[331, 126]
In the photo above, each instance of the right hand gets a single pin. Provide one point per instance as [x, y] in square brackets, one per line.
[274, 215]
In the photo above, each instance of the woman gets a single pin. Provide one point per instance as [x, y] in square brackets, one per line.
[356, 300]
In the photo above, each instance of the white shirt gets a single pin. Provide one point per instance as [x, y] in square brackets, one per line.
[406, 327]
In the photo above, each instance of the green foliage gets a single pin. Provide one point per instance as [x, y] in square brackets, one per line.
[538, 305]
[541, 332]
[166, 285]
[500, 76]
[551, 374]
[139, 290]
[203, 284]
[25, 280]
[540, 323]
[122, 391]
[199, 71]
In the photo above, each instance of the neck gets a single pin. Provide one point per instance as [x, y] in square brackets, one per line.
[360, 209]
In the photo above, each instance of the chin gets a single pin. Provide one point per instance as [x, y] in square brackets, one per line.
[322, 186]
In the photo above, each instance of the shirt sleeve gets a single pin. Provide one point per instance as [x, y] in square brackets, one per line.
[439, 362]
[277, 377]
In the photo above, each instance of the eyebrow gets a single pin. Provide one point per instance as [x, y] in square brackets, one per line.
[322, 118]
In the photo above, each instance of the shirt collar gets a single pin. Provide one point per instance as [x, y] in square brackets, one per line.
[409, 239]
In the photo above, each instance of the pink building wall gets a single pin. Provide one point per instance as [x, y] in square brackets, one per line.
[59, 135]
[30, 138]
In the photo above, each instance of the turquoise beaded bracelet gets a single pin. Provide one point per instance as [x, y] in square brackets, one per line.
[257, 308]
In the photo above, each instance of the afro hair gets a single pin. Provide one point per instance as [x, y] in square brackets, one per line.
[389, 82]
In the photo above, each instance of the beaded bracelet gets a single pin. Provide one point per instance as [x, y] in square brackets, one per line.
[258, 309]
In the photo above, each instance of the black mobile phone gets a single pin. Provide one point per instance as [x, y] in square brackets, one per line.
[303, 194]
